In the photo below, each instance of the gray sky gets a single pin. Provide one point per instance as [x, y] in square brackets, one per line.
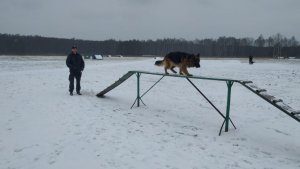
[150, 19]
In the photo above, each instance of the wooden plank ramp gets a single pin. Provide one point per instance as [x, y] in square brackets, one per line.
[278, 103]
[116, 84]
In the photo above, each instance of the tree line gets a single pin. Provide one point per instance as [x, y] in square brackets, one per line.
[273, 46]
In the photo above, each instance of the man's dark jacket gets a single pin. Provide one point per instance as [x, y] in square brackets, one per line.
[75, 62]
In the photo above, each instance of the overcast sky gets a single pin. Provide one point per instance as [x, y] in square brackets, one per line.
[150, 19]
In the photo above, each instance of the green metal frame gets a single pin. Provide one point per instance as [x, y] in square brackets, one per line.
[229, 82]
[284, 108]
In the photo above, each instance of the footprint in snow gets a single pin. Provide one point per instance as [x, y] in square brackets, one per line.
[36, 159]
[266, 153]
[18, 150]
[248, 162]
[281, 132]
[77, 133]
[51, 162]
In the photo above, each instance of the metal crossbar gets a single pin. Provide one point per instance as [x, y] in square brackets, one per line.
[184, 76]
[152, 86]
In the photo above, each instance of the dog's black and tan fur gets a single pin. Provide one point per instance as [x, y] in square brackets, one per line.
[181, 60]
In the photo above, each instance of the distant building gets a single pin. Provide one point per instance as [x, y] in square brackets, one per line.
[86, 57]
[97, 57]
[94, 57]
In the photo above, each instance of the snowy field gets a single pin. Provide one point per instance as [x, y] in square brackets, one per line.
[42, 127]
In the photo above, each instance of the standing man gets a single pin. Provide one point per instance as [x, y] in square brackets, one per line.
[251, 60]
[76, 65]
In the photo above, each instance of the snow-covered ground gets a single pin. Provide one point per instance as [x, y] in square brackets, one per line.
[42, 127]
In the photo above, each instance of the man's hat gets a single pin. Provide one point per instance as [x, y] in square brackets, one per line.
[74, 47]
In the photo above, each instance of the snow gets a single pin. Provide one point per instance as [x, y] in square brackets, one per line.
[41, 126]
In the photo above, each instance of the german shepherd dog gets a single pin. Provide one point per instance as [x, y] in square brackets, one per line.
[181, 60]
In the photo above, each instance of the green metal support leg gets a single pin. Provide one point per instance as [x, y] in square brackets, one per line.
[138, 75]
[138, 99]
[227, 117]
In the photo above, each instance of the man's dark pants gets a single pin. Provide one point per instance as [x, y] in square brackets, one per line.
[77, 76]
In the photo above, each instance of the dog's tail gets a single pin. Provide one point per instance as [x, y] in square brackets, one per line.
[159, 63]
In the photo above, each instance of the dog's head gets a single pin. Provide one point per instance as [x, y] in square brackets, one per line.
[196, 60]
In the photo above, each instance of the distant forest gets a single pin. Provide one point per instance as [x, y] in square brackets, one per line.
[273, 46]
